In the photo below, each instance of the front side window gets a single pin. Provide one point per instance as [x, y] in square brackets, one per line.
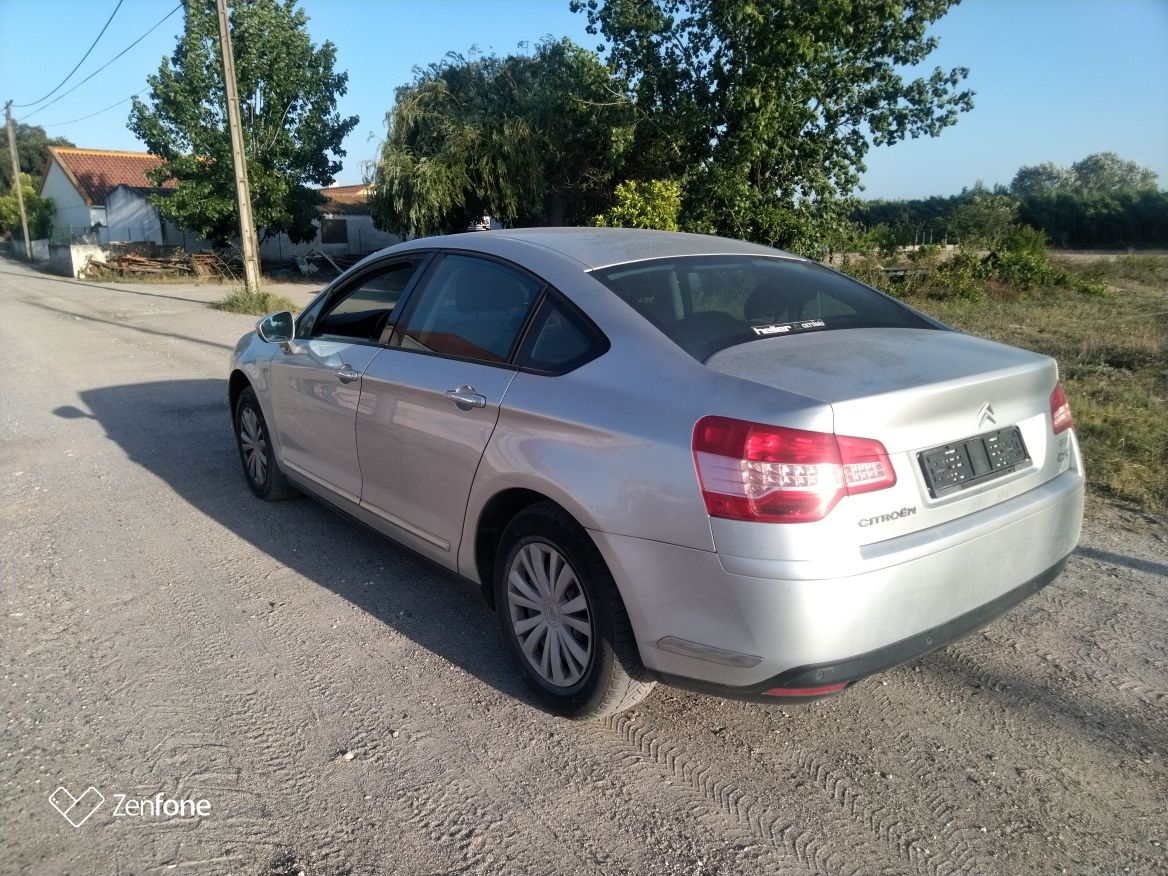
[363, 311]
[471, 308]
[707, 303]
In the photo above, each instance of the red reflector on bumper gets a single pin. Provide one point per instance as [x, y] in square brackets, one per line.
[804, 691]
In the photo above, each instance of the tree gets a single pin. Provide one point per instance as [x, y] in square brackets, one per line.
[292, 131]
[529, 139]
[766, 109]
[33, 145]
[1040, 179]
[1105, 172]
[982, 218]
[652, 204]
[38, 210]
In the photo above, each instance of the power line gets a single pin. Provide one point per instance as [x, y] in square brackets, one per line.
[107, 63]
[79, 63]
[99, 112]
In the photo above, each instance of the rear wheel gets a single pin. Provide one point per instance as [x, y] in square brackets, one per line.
[562, 617]
[255, 450]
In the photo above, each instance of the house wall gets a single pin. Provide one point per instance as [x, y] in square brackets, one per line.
[69, 209]
[361, 239]
[131, 216]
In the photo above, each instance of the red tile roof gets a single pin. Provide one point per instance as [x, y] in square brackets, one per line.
[97, 172]
[351, 200]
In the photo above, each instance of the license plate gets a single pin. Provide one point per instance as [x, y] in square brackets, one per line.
[971, 461]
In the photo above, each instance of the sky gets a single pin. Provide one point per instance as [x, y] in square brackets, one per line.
[1056, 80]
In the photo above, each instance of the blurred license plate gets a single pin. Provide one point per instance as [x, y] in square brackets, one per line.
[962, 464]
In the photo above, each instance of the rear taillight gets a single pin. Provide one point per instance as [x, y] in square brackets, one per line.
[751, 471]
[1060, 410]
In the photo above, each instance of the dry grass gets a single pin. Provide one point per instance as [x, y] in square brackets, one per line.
[240, 300]
[1113, 359]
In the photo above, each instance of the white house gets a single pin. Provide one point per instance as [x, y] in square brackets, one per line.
[80, 182]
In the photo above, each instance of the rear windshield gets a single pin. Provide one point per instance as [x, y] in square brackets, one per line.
[707, 303]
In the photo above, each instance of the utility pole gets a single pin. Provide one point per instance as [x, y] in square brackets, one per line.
[247, 232]
[16, 179]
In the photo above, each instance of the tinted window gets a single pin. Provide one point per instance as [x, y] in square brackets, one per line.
[471, 308]
[363, 311]
[559, 339]
[707, 303]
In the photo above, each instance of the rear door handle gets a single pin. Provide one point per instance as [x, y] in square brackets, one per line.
[347, 374]
[465, 397]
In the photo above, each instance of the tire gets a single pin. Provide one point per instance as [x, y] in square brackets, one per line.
[255, 451]
[562, 618]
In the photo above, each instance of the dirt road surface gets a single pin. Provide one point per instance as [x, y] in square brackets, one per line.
[345, 708]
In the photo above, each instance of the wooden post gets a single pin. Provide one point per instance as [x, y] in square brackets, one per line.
[247, 232]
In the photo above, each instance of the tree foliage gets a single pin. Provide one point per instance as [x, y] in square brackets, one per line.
[33, 145]
[38, 210]
[292, 131]
[767, 108]
[652, 204]
[1097, 174]
[529, 139]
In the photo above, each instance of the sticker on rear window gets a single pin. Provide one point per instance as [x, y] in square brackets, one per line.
[787, 327]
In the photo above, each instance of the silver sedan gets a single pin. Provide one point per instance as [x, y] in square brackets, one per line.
[670, 457]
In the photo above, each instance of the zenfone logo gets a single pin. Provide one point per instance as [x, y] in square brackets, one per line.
[76, 810]
[888, 518]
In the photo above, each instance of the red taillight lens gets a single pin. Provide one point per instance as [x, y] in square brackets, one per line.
[805, 691]
[1060, 410]
[751, 471]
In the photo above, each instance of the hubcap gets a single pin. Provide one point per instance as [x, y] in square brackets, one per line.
[254, 446]
[549, 613]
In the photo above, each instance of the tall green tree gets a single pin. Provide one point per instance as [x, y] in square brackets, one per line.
[533, 139]
[1040, 179]
[38, 210]
[1106, 172]
[33, 145]
[767, 108]
[288, 93]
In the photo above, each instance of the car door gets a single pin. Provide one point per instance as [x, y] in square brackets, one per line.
[316, 377]
[430, 402]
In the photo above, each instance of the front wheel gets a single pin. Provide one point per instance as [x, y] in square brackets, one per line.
[562, 618]
[255, 450]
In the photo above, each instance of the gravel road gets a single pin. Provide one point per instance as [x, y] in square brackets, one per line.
[343, 707]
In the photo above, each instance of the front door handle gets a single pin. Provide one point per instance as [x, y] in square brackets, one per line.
[465, 398]
[347, 374]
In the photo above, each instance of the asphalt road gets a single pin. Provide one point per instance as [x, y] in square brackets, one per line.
[266, 689]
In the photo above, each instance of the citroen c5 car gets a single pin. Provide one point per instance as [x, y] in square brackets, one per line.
[670, 457]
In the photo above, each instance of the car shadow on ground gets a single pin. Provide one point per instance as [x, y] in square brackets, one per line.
[180, 431]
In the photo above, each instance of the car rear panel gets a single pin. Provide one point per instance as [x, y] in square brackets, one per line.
[912, 390]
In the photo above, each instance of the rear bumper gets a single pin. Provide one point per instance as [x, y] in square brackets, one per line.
[853, 669]
[740, 626]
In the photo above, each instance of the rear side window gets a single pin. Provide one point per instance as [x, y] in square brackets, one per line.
[559, 339]
[707, 303]
[471, 308]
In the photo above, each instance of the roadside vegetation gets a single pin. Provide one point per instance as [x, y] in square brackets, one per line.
[256, 303]
[1105, 319]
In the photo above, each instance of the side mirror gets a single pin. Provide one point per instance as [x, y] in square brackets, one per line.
[277, 328]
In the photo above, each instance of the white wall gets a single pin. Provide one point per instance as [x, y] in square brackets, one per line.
[362, 238]
[131, 216]
[69, 208]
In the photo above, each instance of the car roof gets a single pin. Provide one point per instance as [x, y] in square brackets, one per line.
[598, 247]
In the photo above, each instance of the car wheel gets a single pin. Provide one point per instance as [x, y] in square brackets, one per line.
[562, 617]
[255, 450]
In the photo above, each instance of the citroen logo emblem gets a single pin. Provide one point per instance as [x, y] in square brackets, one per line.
[985, 416]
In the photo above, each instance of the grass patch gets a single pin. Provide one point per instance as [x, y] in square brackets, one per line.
[1112, 352]
[240, 300]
